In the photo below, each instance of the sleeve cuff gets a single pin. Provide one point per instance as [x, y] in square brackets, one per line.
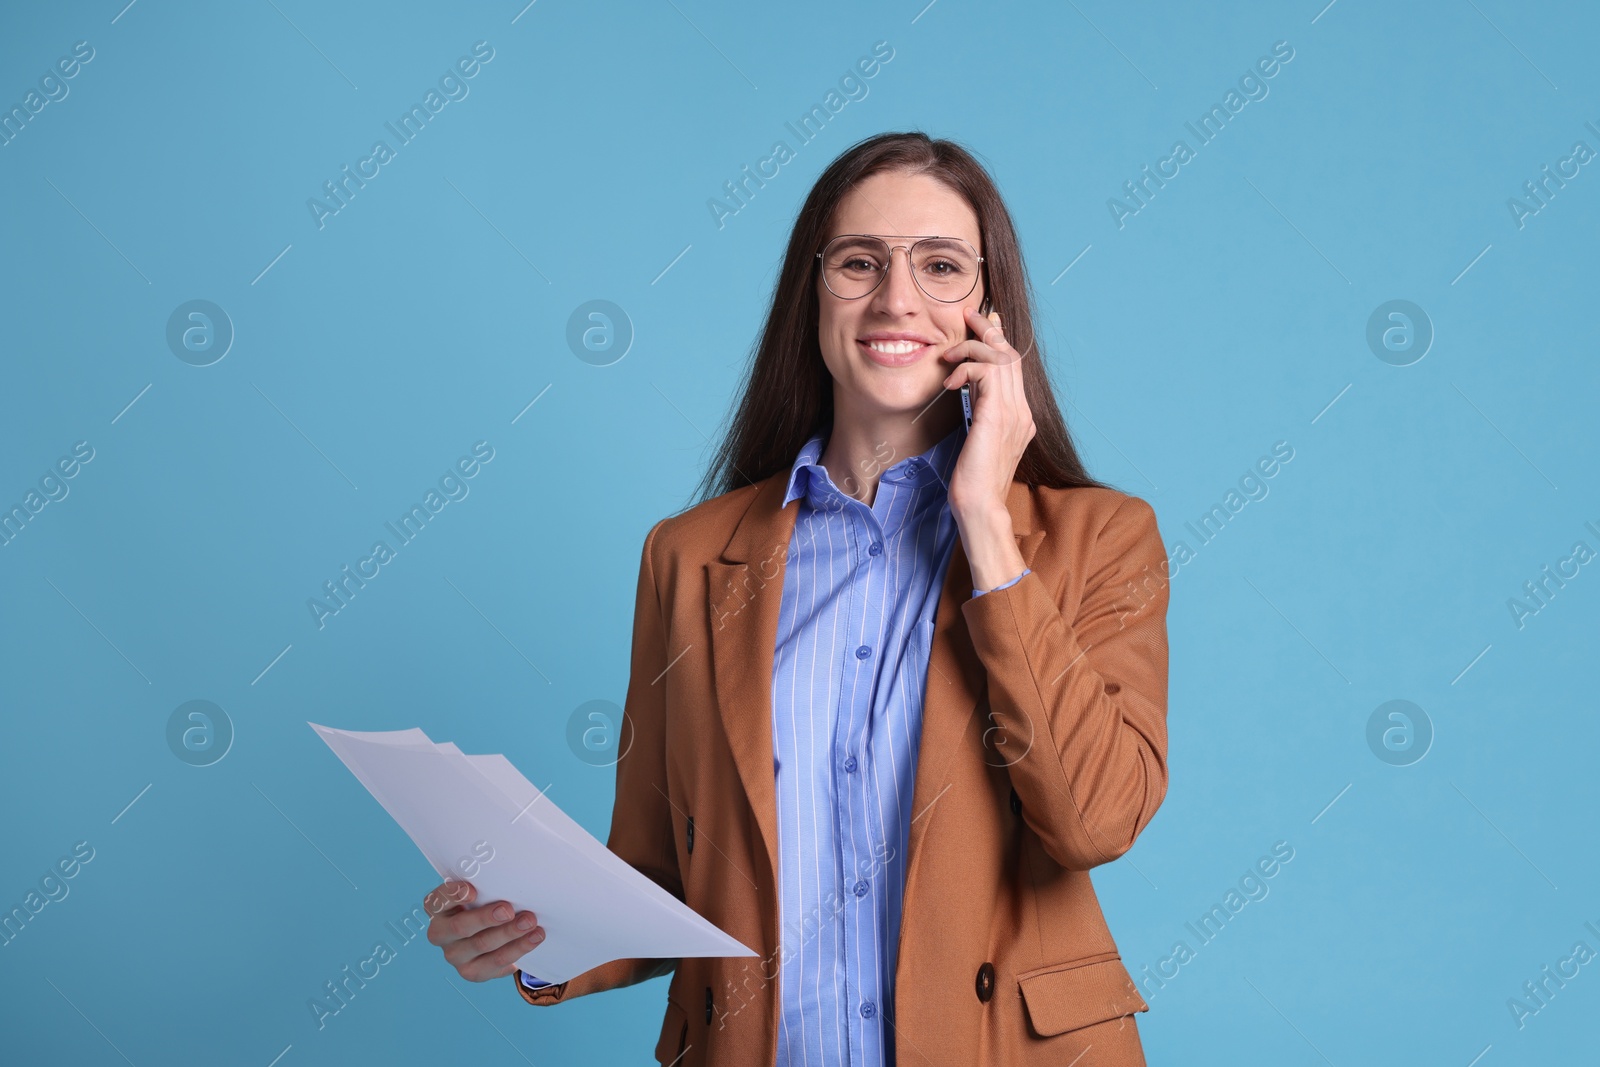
[1025, 572]
[536, 992]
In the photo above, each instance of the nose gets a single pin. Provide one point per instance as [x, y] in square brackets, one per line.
[899, 293]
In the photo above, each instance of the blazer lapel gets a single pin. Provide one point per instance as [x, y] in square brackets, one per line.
[744, 589]
[956, 678]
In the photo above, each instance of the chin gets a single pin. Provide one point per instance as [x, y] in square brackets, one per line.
[903, 401]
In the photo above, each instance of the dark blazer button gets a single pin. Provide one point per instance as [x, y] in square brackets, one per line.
[708, 1005]
[691, 833]
[986, 982]
[1016, 803]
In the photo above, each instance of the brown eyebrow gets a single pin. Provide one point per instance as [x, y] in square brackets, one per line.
[909, 236]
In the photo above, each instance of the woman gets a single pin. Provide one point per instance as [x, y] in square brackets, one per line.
[900, 684]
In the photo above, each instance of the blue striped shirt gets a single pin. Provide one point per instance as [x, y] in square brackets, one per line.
[855, 624]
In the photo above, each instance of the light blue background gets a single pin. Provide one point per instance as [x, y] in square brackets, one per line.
[1227, 315]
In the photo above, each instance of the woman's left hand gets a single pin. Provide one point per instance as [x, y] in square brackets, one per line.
[1002, 424]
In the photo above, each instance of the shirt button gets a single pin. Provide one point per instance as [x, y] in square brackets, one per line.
[863, 652]
[875, 548]
[861, 888]
[850, 764]
[867, 1010]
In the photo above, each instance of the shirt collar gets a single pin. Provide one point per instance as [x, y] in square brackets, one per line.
[932, 467]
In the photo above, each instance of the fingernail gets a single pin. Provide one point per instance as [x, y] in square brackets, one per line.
[503, 912]
[525, 923]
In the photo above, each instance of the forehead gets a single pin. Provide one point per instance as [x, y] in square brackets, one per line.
[895, 203]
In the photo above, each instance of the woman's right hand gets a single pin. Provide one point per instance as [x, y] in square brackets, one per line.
[482, 943]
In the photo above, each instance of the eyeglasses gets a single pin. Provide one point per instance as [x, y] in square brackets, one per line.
[855, 264]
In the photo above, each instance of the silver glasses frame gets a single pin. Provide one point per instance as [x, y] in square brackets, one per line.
[822, 267]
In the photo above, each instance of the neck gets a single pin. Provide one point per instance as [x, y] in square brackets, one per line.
[863, 445]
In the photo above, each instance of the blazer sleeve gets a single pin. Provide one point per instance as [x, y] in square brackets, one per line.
[1084, 700]
[641, 818]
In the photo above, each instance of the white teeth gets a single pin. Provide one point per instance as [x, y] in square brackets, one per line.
[893, 348]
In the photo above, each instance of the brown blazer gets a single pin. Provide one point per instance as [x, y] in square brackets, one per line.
[1043, 754]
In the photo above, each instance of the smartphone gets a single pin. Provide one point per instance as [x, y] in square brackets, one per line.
[966, 392]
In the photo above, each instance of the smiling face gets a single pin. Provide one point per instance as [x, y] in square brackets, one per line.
[883, 349]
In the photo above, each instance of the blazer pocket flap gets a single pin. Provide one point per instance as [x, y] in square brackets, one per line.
[674, 1033]
[1078, 994]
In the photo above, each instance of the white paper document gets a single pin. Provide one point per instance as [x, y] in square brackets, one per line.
[458, 809]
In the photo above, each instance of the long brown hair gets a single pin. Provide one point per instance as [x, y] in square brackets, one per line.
[788, 394]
